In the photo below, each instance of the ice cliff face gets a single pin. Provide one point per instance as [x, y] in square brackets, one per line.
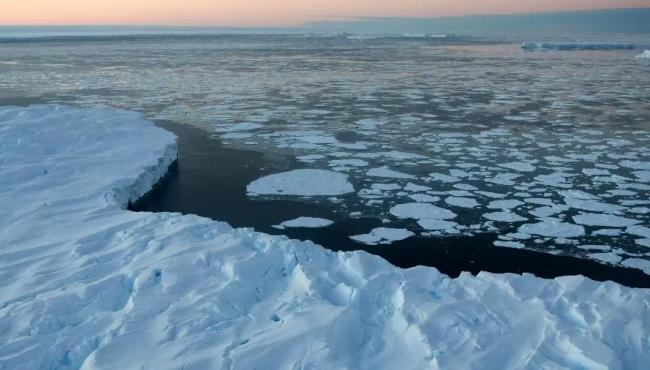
[87, 284]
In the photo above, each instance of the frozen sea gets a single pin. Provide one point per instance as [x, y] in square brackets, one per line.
[385, 139]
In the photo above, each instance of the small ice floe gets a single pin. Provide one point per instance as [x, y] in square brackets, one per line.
[504, 217]
[518, 166]
[383, 235]
[551, 227]
[505, 204]
[606, 220]
[420, 211]
[606, 257]
[639, 231]
[307, 222]
[595, 247]
[637, 263]
[386, 172]
[509, 244]
[348, 163]
[436, 176]
[462, 202]
[644, 55]
[440, 225]
[424, 198]
[305, 182]
[607, 232]
[416, 188]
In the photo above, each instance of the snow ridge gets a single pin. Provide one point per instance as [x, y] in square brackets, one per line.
[87, 284]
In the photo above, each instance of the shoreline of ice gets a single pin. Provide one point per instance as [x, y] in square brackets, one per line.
[88, 284]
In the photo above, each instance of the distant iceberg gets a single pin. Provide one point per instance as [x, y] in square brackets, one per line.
[575, 46]
[644, 55]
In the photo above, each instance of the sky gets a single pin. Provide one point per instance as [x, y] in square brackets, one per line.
[269, 13]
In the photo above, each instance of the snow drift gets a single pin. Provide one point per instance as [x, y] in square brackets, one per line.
[87, 284]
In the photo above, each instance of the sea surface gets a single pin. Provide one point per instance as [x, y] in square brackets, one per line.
[542, 157]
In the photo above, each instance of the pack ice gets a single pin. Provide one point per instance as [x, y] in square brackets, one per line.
[87, 284]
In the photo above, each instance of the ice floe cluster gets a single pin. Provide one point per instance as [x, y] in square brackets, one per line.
[509, 142]
[87, 284]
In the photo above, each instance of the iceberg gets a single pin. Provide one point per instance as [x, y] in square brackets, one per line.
[644, 55]
[88, 284]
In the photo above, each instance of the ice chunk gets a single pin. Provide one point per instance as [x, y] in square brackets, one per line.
[461, 202]
[383, 235]
[605, 220]
[509, 244]
[421, 211]
[309, 222]
[519, 166]
[553, 228]
[505, 204]
[606, 257]
[305, 182]
[432, 224]
[386, 172]
[504, 217]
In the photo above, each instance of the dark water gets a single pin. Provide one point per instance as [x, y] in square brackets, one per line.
[210, 180]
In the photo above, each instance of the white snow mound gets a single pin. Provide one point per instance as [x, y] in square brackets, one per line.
[87, 284]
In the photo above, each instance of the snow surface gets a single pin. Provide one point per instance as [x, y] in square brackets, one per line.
[305, 182]
[87, 284]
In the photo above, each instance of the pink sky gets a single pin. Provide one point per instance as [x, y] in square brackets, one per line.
[268, 12]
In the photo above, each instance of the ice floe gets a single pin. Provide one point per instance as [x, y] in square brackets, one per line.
[383, 235]
[304, 182]
[597, 219]
[421, 211]
[553, 228]
[309, 222]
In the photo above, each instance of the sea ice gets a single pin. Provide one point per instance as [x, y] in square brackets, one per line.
[519, 166]
[383, 235]
[553, 228]
[386, 172]
[305, 182]
[309, 222]
[421, 211]
[605, 220]
[462, 202]
[504, 217]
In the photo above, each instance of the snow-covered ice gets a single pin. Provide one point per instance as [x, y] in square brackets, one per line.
[553, 228]
[421, 211]
[310, 222]
[304, 182]
[87, 284]
[383, 235]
